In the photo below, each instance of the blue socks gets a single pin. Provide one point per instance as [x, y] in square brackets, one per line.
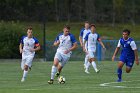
[119, 72]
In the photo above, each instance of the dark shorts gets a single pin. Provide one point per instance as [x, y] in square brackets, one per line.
[128, 61]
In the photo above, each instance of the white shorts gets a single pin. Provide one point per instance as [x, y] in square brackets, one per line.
[26, 60]
[91, 54]
[63, 59]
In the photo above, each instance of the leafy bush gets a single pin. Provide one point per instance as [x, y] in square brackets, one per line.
[10, 34]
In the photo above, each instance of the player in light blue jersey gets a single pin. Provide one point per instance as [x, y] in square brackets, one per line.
[28, 46]
[129, 53]
[82, 35]
[66, 43]
[90, 41]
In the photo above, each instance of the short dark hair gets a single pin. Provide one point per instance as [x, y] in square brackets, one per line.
[29, 28]
[67, 26]
[87, 22]
[92, 25]
[126, 31]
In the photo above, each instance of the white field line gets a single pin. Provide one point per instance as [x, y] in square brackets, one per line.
[110, 84]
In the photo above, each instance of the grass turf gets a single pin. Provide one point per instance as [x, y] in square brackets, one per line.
[76, 80]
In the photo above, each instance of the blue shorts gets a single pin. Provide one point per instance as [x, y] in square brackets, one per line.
[128, 61]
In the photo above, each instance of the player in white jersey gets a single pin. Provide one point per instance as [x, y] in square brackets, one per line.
[91, 38]
[82, 35]
[66, 43]
[28, 46]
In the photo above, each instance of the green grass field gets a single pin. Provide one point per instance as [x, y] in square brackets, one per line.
[76, 80]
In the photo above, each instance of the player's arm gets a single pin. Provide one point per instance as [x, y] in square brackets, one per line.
[37, 48]
[134, 48]
[56, 43]
[115, 53]
[81, 41]
[136, 56]
[84, 49]
[21, 48]
[73, 47]
[116, 50]
[81, 37]
[102, 44]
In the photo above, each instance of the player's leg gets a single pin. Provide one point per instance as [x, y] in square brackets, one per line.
[129, 65]
[62, 63]
[119, 71]
[27, 64]
[86, 61]
[57, 58]
[92, 60]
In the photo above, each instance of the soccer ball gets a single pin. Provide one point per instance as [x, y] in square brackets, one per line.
[61, 80]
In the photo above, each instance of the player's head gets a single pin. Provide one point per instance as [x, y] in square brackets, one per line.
[66, 29]
[29, 32]
[93, 28]
[126, 33]
[87, 24]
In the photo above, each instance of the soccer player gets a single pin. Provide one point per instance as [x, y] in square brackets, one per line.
[91, 38]
[82, 35]
[28, 46]
[66, 43]
[128, 54]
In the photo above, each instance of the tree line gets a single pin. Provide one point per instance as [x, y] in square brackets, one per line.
[101, 11]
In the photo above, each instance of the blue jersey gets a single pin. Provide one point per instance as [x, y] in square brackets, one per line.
[128, 47]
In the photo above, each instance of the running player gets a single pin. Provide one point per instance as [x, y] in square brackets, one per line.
[82, 35]
[66, 43]
[91, 38]
[129, 53]
[28, 46]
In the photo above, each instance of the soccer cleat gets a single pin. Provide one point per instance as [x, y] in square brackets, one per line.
[98, 71]
[23, 79]
[57, 74]
[119, 80]
[86, 71]
[50, 81]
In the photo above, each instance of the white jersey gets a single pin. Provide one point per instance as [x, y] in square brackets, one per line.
[91, 39]
[28, 44]
[84, 32]
[66, 42]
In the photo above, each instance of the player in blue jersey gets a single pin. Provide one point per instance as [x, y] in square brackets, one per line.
[28, 46]
[129, 53]
[82, 35]
[66, 43]
[89, 47]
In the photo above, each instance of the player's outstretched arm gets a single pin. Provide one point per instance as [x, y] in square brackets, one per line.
[115, 53]
[136, 56]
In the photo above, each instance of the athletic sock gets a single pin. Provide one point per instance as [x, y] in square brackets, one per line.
[87, 66]
[94, 66]
[119, 72]
[25, 74]
[86, 61]
[53, 71]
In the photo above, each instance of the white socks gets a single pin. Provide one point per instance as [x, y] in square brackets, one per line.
[86, 61]
[87, 65]
[25, 74]
[54, 69]
[94, 66]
